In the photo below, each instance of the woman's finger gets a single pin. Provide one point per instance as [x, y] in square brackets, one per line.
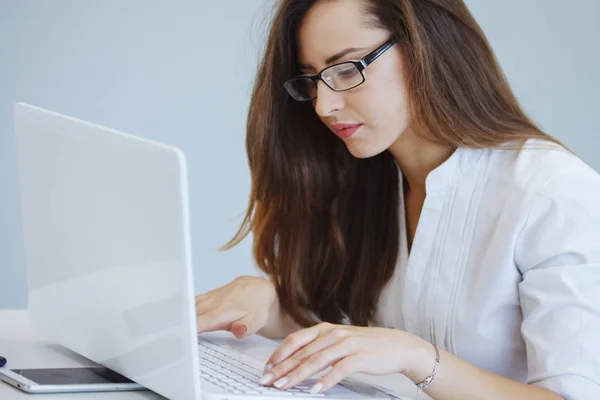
[200, 297]
[314, 364]
[340, 370]
[323, 341]
[247, 325]
[218, 319]
[291, 344]
[203, 306]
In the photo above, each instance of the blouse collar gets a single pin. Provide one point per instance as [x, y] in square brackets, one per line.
[451, 170]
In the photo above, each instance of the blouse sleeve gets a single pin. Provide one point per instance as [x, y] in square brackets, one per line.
[558, 254]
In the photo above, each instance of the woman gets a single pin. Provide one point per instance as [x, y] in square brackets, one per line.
[408, 215]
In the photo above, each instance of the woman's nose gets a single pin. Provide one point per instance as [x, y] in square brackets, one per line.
[328, 100]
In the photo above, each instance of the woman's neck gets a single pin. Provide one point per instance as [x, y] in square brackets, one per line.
[417, 157]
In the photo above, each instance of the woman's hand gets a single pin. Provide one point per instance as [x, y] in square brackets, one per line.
[348, 349]
[242, 306]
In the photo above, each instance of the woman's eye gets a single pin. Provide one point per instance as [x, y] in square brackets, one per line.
[348, 72]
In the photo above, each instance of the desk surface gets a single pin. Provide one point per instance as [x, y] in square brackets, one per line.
[23, 348]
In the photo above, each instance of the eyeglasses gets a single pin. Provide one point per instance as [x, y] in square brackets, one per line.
[338, 77]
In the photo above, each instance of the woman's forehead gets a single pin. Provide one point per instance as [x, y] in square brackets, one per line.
[331, 27]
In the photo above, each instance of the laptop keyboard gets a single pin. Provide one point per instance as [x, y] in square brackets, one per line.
[238, 377]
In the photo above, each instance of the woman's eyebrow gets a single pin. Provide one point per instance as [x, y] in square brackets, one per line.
[337, 56]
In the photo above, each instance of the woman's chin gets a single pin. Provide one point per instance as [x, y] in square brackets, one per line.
[360, 150]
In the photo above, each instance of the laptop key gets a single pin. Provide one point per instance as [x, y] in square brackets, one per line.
[240, 377]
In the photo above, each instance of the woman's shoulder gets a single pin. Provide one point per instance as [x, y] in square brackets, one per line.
[541, 166]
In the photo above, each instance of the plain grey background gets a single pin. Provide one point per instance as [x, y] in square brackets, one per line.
[181, 73]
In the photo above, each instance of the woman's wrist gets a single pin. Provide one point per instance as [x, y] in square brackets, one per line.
[279, 324]
[423, 362]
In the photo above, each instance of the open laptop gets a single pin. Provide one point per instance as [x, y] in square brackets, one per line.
[109, 268]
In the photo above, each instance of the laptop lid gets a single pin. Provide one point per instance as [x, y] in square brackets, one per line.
[107, 248]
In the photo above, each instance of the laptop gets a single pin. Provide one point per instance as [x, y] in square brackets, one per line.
[105, 218]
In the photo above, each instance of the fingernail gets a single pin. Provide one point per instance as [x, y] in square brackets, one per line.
[265, 379]
[317, 388]
[242, 331]
[281, 382]
[268, 367]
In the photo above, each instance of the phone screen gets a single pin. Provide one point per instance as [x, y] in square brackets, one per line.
[72, 376]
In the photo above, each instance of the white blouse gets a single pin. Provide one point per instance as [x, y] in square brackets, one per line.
[504, 270]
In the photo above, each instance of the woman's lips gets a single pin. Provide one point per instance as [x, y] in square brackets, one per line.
[344, 131]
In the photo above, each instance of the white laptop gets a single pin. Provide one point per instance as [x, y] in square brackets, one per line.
[109, 267]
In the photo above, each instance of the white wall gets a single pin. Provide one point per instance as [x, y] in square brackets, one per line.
[177, 72]
[180, 72]
[550, 51]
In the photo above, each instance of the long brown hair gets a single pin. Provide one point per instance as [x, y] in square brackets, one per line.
[325, 224]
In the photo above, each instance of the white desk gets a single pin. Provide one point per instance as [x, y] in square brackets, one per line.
[23, 348]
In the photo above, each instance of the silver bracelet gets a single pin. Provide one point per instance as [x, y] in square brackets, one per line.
[429, 380]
